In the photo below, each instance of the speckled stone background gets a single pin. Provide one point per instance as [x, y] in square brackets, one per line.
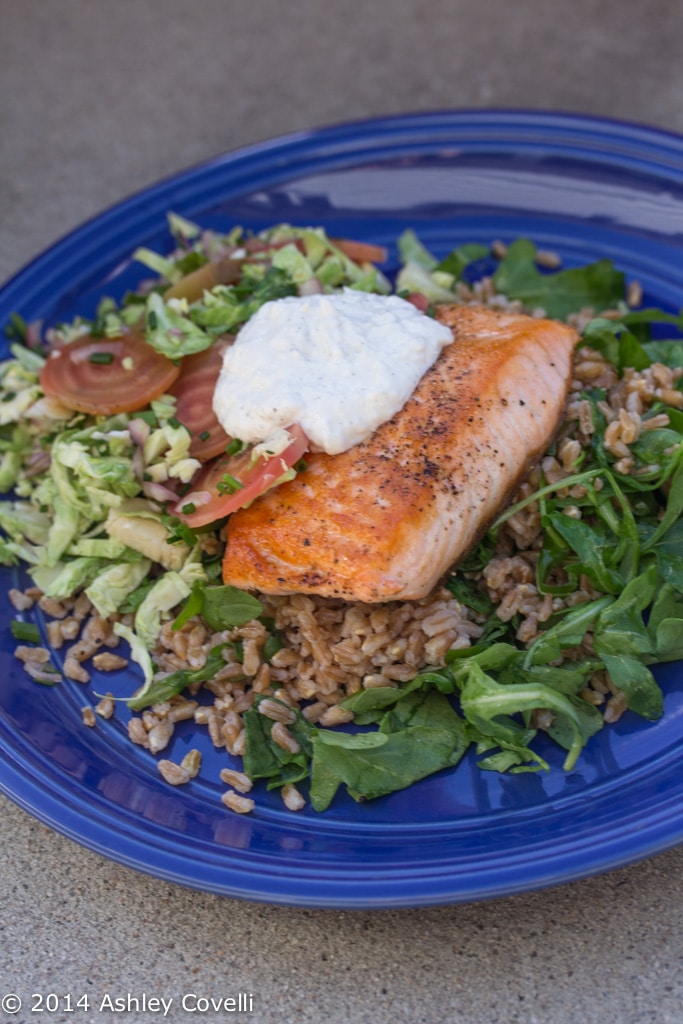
[99, 99]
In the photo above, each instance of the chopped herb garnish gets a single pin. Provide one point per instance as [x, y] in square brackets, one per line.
[178, 531]
[236, 447]
[228, 484]
[28, 632]
[16, 329]
[103, 358]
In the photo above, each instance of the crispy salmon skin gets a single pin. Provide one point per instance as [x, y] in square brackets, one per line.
[386, 519]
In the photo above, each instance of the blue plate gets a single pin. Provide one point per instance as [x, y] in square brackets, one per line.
[586, 188]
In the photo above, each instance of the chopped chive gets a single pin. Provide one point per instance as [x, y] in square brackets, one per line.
[27, 631]
[16, 329]
[301, 466]
[189, 508]
[105, 358]
[10, 396]
[228, 484]
[204, 436]
[235, 447]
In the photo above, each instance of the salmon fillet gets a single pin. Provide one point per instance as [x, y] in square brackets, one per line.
[386, 519]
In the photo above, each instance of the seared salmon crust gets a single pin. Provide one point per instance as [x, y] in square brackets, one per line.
[386, 519]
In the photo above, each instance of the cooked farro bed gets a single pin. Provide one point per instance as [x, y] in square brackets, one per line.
[549, 624]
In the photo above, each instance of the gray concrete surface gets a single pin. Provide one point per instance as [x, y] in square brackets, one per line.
[99, 99]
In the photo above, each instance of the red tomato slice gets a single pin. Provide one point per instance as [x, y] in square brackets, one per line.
[193, 391]
[211, 505]
[103, 376]
[361, 252]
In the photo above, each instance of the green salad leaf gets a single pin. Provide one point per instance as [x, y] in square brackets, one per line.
[598, 285]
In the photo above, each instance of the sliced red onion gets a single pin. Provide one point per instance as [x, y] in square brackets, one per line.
[158, 492]
[39, 462]
[138, 461]
[311, 287]
[34, 334]
[139, 430]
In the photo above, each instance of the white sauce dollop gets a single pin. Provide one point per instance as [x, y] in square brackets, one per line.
[340, 365]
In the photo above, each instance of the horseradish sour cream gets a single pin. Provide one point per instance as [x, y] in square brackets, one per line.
[340, 365]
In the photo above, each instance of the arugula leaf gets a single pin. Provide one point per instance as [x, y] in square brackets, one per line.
[670, 353]
[457, 261]
[567, 633]
[597, 285]
[593, 549]
[616, 343]
[266, 759]
[227, 606]
[665, 625]
[622, 641]
[420, 736]
[176, 682]
[489, 706]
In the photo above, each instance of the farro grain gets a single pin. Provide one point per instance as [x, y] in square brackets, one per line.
[20, 600]
[312, 712]
[88, 716]
[82, 607]
[70, 627]
[137, 732]
[239, 747]
[182, 710]
[74, 670]
[284, 738]
[616, 706]
[105, 707]
[174, 774]
[237, 780]
[548, 259]
[230, 729]
[216, 730]
[240, 804]
[160, 735]
[634, 293]
[276, 711]
[55, 609]
[54, 634]
[37, 655]
[107, 662]
[335, 715]
[291, 797]
[192, 763]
